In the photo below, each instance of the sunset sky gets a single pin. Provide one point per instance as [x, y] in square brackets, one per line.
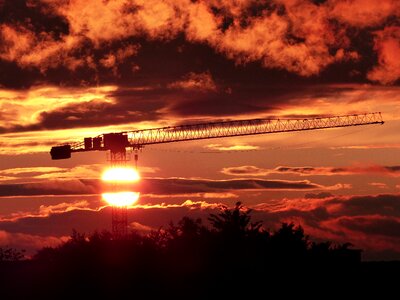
[71, 69]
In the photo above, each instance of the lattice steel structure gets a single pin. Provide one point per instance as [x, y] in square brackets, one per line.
[119, 221]
[117, 143]
[181, 133]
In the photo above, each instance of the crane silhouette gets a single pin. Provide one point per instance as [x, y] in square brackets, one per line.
[117, 143]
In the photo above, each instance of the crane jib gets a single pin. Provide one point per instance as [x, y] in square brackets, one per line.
[117, 143]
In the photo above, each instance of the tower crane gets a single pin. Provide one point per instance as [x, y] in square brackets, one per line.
[117, 143]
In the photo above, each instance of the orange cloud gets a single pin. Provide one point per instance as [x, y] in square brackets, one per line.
[27, 107]
[387, 45]
[265, 39]
[28, 49]
[295, 35]
[30, 170]
[5, 178]
[188, 204]
[93, 18]
[195, 81]
[362, 13]
[379, 185]
[114, 58]
[220, 147]
[16, 41]
[45, 210]
[96, 19]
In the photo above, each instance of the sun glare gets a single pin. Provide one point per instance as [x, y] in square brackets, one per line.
[121, 198]
[120, 174]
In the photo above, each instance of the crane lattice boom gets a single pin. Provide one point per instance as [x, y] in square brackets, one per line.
[118, 142]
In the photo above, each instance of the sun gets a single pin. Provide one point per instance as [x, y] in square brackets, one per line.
[117, 187]
[120, 174]
[121, 198]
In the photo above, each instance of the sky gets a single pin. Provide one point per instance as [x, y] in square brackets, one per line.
[72, 69]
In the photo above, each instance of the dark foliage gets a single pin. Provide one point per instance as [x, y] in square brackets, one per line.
[8, 254]
[187, 260]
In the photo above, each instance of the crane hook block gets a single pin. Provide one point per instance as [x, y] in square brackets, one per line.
[60, 152]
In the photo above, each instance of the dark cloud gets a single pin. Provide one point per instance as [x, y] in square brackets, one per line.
[388, 205]
[321, 195]
[350, 170]
[323, 171]
[218, 105]
[194, 185]
[98, 113]
[159, 101]
[163, 186]
[389, 227]
[54, 187]
[121, 105]
[243, 170]
[117, 106]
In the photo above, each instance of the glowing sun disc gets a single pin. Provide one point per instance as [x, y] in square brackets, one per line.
[120, 174]
[121, 198]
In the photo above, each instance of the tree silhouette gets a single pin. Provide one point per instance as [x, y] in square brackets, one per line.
[289, 244]
[8, 254]
[235, 222]
[184, 257]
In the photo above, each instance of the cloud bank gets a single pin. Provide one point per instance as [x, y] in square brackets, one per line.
[299, 36]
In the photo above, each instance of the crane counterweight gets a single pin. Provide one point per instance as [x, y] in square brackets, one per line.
[61, 152]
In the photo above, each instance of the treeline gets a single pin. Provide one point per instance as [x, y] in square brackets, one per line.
[185, 260]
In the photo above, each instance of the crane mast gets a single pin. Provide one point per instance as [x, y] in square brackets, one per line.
[117, 143]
